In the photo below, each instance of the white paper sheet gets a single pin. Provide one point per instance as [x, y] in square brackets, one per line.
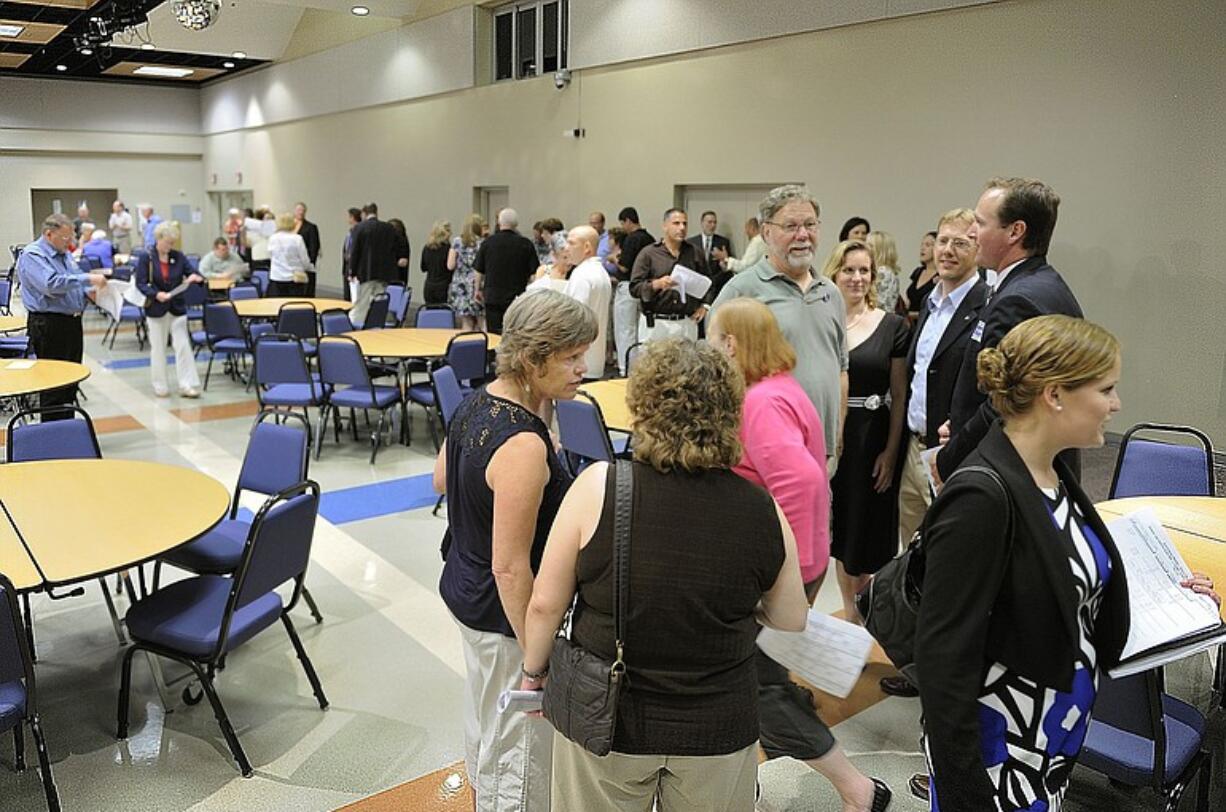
[24, 363]
[109, 297]
[829, 654]
[690, 282]
[1161, 609]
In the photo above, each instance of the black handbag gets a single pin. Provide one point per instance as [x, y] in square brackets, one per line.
[890, 603]
[583, 689]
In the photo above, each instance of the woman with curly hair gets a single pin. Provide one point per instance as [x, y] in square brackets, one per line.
[712, 557]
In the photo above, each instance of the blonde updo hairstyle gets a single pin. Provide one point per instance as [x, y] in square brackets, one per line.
[685, 405]
[839, 255]
[538, 327]
[1041, 352]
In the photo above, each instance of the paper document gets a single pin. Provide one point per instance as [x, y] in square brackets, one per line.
[1162, 612]
[184, 285]
[829, 654]
[109, 297]
[690, 282]
[927, 456]
[516, 701]
[21, 364]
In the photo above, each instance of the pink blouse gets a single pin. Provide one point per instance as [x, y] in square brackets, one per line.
[785, 452]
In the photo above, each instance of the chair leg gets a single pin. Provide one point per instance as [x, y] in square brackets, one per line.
[223, 721]
[430, 421]
[125, 691]
[110, 607]
[209, 370]
[353, 424]
[376, 439]
[310, 602]
[306, 661]
[25, 605]
[19, 748]
[439, 503]
[44, 765]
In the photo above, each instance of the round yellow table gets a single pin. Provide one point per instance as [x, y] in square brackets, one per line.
[84, 518]
[610, 395]
[409, 342]
[269, 308]
[10, 323]
[25, 376]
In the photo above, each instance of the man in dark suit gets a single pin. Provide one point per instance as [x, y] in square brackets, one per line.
[355, 217]
[309, 232]
[714, 249]
[504, 264]
[1014, 221]
[938, 343]
[372, 259]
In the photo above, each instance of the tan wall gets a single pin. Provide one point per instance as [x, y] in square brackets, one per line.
[1117, 104]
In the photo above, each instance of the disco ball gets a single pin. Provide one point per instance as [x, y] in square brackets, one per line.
[196, 15]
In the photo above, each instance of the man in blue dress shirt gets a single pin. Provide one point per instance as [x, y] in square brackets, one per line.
[151, 222]
[54, 293]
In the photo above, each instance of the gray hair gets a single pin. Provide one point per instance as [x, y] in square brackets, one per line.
[539, 326]
[55, 222]
[166, 228]
[559, 241]
[508, 218]
[780, 196]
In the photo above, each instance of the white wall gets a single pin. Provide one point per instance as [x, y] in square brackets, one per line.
[99, 107]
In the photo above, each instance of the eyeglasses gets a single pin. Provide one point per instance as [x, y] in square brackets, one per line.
[791, 229]
[959, 244]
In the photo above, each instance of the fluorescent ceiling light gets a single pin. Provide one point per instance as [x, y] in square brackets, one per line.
[157, 70]
[11, 30]
[61, 68]
[239, 54]
[227, 64]
[147, 46]
[86, 51]
[359, 11]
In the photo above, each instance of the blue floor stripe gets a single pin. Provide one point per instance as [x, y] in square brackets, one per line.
[134, 363]
[377, 499]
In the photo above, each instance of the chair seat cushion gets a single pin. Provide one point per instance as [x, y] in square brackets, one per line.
[217, 552]
[422, 393]
[358, 397]
[1129, 758]
[230, 345]
[12, 703]
[291, 394]
[186, 616]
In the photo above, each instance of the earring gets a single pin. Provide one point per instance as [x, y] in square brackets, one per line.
[1059, 408]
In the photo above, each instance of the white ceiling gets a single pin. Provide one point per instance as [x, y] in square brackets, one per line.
[260, 28]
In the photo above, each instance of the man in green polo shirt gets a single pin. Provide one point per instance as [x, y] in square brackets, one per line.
[808, 306]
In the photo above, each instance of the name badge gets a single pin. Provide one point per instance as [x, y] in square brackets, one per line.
[978, 334]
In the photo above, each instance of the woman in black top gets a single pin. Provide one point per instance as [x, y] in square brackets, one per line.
[711, 557]
[504, 483]
[923, 280]
[434, 263]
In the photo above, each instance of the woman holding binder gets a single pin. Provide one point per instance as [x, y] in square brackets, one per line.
[1025, 597]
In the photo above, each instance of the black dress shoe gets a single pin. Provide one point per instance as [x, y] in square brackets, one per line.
[881, 796]
[898, 686]
[918, 784]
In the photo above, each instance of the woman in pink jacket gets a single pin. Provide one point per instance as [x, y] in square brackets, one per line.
[785, 452]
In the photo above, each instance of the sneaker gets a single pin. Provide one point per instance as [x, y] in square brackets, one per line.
[898, 686]
[189, 392]
[161, 391]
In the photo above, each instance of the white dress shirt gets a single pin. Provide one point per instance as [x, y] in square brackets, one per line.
[590, 284]
[288, 255]
[941, 311]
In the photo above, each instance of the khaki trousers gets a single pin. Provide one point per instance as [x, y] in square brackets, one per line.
[618, 782]
[914, 495]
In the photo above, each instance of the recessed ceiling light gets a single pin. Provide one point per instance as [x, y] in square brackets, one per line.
[147, 46]
[158, 70]
[61, 68]
[11, 30]
[227, 64]
[359, 11]
[239, 54]
[86, 51]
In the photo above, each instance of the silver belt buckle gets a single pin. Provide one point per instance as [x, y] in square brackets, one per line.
[873, 402]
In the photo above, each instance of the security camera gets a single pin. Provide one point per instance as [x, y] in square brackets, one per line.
[561, 79]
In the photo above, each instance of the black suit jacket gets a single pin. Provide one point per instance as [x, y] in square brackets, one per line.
[309, 232]
[1031, 289]
[373, 252]
[717, 241]
[997, 592]
[150, 282]
[508, 260]
[946, 360]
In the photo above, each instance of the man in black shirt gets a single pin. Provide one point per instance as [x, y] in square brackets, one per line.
[665, 311]
[372, 259]
[625, 306]
[505, 263]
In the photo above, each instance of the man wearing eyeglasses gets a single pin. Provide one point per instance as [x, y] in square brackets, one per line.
[808, 306]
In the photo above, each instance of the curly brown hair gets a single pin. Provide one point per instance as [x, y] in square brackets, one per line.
[685, 404]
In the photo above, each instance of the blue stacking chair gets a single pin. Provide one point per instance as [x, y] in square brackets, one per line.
[400, 313]
[6, 295]
[395, 297]
[334, 322]
[583, 433]
[260, 278]
[68, 435]
[243, 291]
[128, 314]
[224, 334]
[195, 297]
[376, 316]
[1141, 736]
[18, 698]
[299, 319]
[1154, 468]
[277, 457]
[193, 262]
[342, 367]
[466, 355]
[448, 395]
[283, 377]
[435, 317]
[198, 621]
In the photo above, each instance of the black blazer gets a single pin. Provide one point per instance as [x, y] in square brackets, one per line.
[946, 360]
[374, 251]
[150, 282]
[309, 232]
[717, 241]
[1031, 289]
[990, 598]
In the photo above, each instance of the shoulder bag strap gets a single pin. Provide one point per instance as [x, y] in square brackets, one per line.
[624, 475]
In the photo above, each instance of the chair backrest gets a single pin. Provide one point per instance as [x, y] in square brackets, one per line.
[335, 321]
[400, 314]
[395, 297]
[582, 430]
[84, 266]
[632, 354]
[1134, 705]
[447, 392]
[277, 454]
[195, 295]
[221, 321]
[435, 317]
[260, 278]
[15, 660]
[71, 437]
[6, 294]
[299, 319]
[243, 291]
[341, 362]
[279, 358]
[376, 316]
[1154, 468]
[467, 354]
[193, 262]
